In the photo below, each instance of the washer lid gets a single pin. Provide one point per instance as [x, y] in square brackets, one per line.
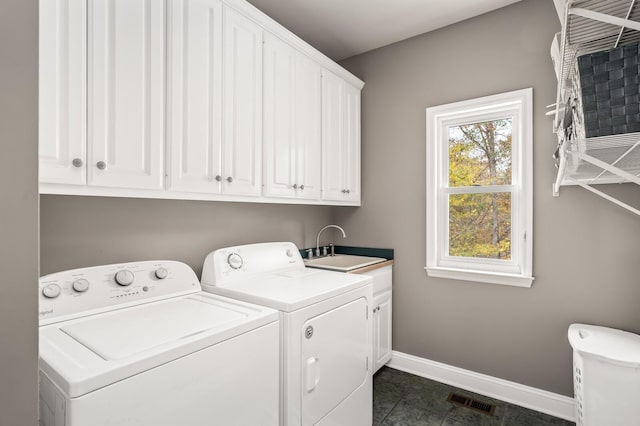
[85, 354]
[131, 332]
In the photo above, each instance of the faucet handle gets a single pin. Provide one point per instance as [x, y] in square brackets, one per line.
[325, 251]
[309, 253]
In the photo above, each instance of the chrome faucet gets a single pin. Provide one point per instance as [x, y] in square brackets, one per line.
[318, 237]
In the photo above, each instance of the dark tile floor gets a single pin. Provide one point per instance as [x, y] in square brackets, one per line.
[402, 399]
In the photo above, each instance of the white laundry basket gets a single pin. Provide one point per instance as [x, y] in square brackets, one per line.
[606, 376]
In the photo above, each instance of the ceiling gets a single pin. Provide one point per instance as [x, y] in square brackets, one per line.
[344, 28]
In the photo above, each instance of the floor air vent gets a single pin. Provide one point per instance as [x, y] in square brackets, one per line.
[471, 403]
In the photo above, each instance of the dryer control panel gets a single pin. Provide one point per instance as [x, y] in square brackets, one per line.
[227, 265]
[79, 292]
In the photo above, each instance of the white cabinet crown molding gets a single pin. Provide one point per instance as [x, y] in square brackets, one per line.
[277, 29]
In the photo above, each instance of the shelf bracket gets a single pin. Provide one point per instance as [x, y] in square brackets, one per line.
[562, 165]
[607, 197]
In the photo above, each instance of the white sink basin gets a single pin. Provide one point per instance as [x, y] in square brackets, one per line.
[342, 262]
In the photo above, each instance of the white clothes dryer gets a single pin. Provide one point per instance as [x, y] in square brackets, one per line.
[326, 329]
[140, 344]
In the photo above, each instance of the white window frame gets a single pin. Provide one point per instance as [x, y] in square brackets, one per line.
[518, 270]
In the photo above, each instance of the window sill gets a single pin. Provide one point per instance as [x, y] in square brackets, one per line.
[481, 276]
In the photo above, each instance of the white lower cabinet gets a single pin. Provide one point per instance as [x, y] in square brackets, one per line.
[382, 314]
[381, 329]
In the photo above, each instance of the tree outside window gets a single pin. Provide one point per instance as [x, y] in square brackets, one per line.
[480, 155]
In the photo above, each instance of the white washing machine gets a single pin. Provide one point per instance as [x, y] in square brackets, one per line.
[326, 362]
[140, 344]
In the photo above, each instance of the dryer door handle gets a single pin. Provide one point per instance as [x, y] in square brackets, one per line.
[311, 374]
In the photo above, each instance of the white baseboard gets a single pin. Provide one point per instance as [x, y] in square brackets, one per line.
[514, 393]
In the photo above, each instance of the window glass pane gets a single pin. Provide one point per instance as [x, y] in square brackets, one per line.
[480, 153]
[480, 225]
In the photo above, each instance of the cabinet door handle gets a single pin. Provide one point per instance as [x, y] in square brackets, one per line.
[301, 187]
[344, 191]
[294, 186]
[101, 165]
[229, 179]
[77, 162]
[347, 191]
[218, 178]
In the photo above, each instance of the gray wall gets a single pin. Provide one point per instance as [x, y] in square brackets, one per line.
[19, 212]
[586, 260]
[85, 231]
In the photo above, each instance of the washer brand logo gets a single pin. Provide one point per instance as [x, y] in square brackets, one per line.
[47, 312]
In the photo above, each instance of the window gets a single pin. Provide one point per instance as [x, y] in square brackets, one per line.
[479, 189]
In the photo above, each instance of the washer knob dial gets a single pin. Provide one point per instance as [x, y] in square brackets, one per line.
[81, 285]
[235, 260]
[161, 273]
[51, 291]
[124, 277]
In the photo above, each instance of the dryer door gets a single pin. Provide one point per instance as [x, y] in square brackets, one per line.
[334, 358]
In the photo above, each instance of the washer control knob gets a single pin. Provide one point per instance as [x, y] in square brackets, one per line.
[51, 291]
[80, 285]
[161, 273]
[124, 277]
[235, 260]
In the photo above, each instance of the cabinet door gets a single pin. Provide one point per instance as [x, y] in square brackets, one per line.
[195, 96]
[126, 93]
[382, 330]
[308, 123]
[292, 122]
[333, 111]
[279, 110]
[62, 91]
[352, 143]
[242, 58]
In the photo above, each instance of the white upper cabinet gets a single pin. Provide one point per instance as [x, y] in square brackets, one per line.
[242, 104]
[192, 99]
[194, 95]
[292, 142]
[352, 143]
[215, 124]
[340, 139]
[63, 91]
[126, 93]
